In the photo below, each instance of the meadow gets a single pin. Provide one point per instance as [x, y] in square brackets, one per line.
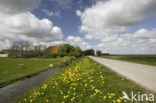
[84, 81]
[10, 71]
[142, 59]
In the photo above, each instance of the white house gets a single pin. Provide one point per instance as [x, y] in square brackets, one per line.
[3, 54]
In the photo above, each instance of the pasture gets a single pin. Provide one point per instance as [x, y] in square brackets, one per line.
[11, 71]
[142, 59]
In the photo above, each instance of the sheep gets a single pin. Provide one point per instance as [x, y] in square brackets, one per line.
[21, 66]
[51, 66]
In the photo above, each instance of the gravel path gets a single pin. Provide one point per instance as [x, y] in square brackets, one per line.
[143, 74]
[13, 91]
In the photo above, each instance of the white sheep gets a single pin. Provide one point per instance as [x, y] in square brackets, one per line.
[21, 65]
[51, 66]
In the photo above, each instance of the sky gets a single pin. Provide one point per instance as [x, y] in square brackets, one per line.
[112, 26]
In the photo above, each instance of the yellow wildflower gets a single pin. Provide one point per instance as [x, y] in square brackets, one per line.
[25, 99]
[118, 100]
[47, 100]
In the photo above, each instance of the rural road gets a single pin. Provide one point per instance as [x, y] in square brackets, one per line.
[143, 74]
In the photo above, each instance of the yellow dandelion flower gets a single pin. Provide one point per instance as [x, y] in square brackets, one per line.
[47, 100]
[44, 86]
[104, 97]
[68, 92]
[118, 100]
[109, 96]
[65, 97]
[112, 94]
[31, 101]
[25, 99]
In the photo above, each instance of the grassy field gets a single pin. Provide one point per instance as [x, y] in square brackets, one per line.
[84, 81]
[142, 59]
[10, 70]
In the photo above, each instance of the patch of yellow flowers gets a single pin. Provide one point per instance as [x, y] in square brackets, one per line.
[75, 84]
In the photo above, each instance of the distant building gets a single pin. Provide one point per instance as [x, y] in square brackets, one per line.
[53, 49]
[105, 54]
[3, 54]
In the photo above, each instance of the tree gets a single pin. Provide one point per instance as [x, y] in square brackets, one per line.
[89, 52]
[16, 49]
[67, 50]
[25, 49]
[78, 52]
[98, 52]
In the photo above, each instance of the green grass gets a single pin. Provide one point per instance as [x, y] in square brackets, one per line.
[142, 59]
[84, 81]
[11, 72]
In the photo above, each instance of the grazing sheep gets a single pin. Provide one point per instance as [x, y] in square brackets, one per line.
[65, 63]
[51, 66]
[21, 66]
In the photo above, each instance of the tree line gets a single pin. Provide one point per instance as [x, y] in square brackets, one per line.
[25, 49]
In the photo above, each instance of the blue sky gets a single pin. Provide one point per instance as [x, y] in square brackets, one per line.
[114, 26]
[67, 20]
[70, 22]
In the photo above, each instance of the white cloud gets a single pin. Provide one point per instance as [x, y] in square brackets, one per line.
[106, 20]
[16, 6]
[78, 12]
[141, 42]
[18, 23]
[77, 41]
[50, 13]
[115, 16]
[26, 26]
[88, 36]
[4, 44]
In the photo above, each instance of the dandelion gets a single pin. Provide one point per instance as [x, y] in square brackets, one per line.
[44, 86]
[91, 95]
[97, 91]
[25, 99]
[65, 97]
[31, 101]
[118, 100]
[109, 97]
[68, 92]
[72, 98]
[42, 93]
[86, 84]
[104, 97]
[112, 94]
[47, 100]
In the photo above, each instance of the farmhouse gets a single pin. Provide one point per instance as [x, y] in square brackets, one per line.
[53, 49]
[3, 54]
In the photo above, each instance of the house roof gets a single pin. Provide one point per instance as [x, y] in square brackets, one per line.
[53, 49]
